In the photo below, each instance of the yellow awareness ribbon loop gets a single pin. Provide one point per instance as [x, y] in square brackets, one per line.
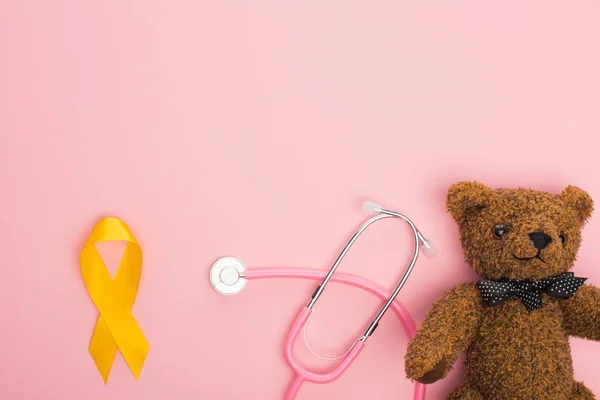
[116, 327]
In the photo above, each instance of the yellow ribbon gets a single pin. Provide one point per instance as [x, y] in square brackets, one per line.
[116, 327]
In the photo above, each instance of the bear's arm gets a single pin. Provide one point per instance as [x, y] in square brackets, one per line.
[581, 313]
[449, 328]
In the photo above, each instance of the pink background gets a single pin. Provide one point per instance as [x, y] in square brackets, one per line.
[255, 129]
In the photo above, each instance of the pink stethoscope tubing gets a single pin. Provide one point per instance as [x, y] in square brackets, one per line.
[229, 276]
[302, 374]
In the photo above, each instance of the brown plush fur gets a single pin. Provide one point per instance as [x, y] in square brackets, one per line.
[511, 353]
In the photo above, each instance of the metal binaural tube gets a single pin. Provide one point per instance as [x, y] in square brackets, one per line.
[418, 237]
[337, 262]
[381, 213]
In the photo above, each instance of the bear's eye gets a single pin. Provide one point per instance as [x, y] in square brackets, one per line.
[499, 230]
[562, 238]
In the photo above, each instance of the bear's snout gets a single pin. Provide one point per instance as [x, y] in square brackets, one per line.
[540, 240]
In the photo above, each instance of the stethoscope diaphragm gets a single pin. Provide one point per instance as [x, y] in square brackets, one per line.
[227, 276]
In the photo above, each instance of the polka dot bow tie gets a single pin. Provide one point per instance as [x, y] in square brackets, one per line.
[496, 292]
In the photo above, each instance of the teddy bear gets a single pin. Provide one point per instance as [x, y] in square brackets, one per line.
[514, 323]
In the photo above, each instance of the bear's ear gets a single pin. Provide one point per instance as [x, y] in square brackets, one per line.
[467, 198]
[579, 201]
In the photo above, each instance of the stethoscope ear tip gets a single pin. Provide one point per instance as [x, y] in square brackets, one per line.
[370, 207]
[428, 248]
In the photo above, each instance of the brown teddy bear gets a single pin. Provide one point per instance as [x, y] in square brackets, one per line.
[514, 324]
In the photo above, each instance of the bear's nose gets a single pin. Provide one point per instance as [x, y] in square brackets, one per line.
[540, 240]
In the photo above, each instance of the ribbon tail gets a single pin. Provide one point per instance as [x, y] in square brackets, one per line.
[133, 346]
[103, 348]
[531, 308]
[532, 300]
[496, 300]
[580, 281]
[136, 359]
[565, 289]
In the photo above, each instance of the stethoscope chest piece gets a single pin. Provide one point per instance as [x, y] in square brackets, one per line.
[227, 276]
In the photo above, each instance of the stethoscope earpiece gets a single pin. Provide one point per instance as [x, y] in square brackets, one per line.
[428, 248]
[370, 207]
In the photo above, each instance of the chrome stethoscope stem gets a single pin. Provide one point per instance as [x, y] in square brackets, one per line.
[418, 239]
[360, 230]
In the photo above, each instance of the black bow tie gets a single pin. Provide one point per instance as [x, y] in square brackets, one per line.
[495, 292]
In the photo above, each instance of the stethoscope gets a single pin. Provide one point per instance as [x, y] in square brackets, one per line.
[229, 276]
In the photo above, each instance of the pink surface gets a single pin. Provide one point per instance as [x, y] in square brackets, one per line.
[254, 129]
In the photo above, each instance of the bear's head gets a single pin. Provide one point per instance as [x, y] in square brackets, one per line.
[518, 233]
